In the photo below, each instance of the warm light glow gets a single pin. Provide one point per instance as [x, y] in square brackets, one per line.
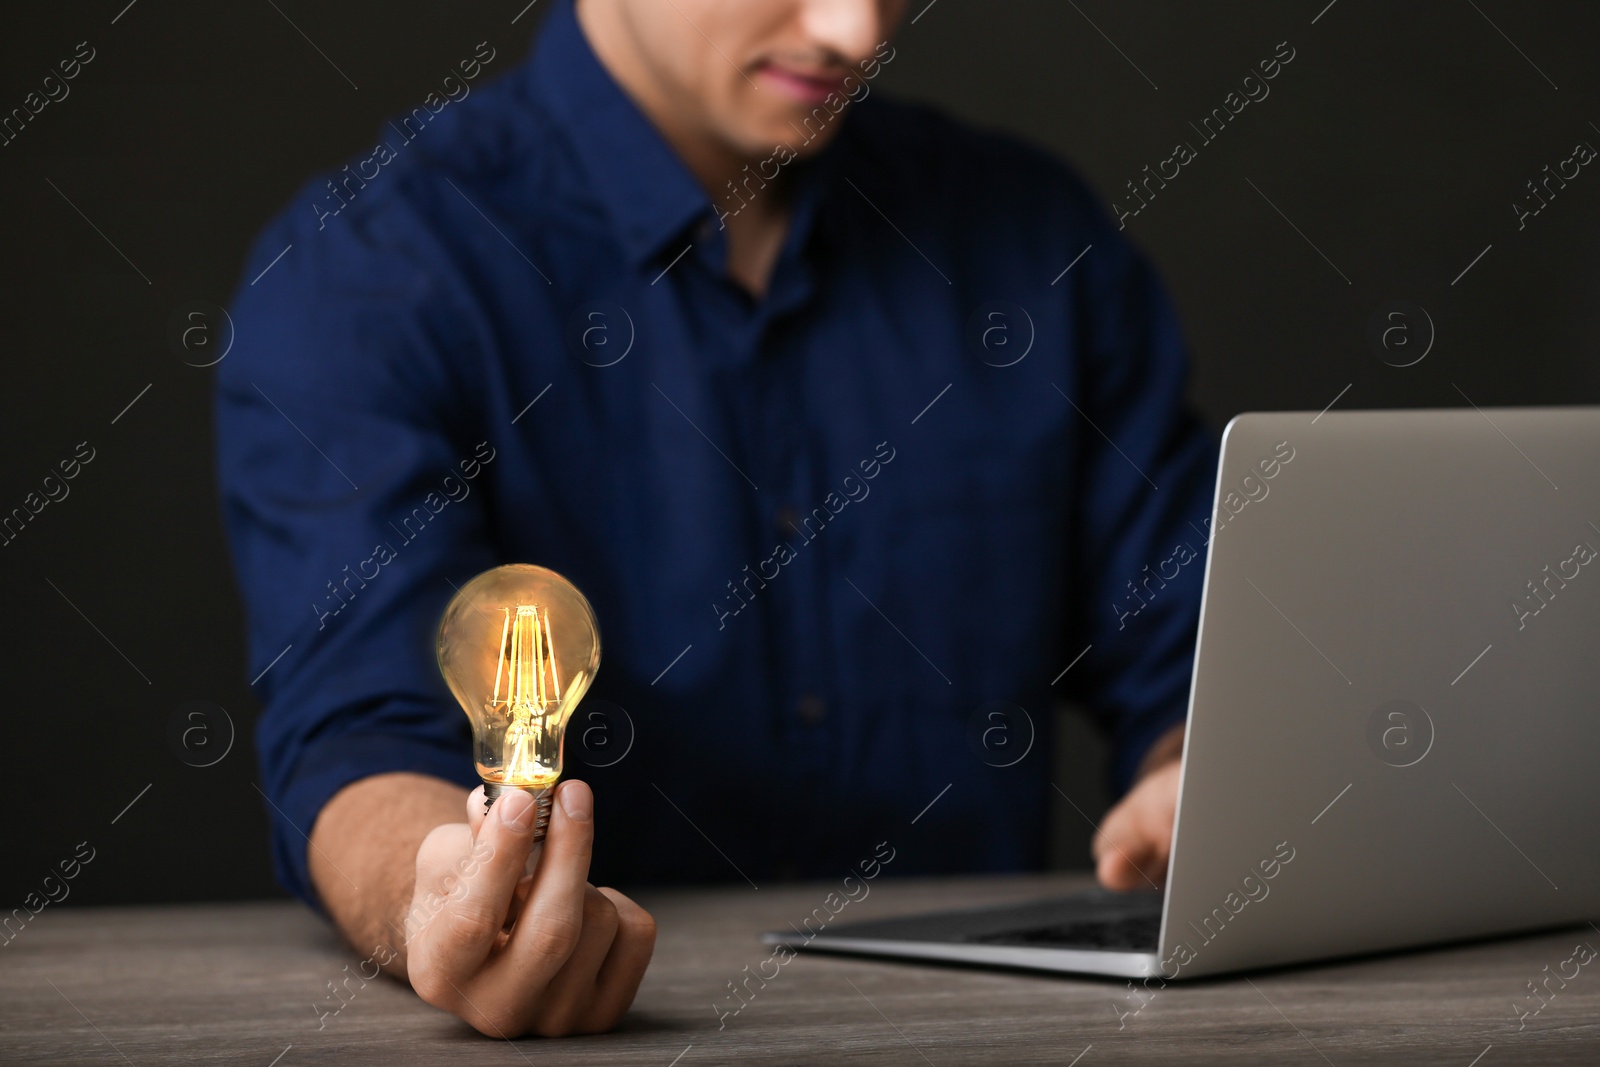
[507, 641]
[526, 656]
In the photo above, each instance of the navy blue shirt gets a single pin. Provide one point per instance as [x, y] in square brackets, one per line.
[842, 539]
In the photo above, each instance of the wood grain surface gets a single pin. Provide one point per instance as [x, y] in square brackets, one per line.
[242, 984]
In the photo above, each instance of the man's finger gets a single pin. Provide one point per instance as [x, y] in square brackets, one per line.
[1121, 850]
[1120, 871]
[563, 1005]
[618, 981]
[458, 940]
[438, 857]
[475, 812]
[548, 930]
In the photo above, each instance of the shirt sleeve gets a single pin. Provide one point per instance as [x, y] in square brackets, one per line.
[352, 494]
[1148, 472]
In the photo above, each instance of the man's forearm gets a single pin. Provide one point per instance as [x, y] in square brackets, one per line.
[1165, 749]
[364, 852]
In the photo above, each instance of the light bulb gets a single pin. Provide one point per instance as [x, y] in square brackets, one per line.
[519, 646]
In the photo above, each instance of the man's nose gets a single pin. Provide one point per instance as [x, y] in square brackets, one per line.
[849, 28]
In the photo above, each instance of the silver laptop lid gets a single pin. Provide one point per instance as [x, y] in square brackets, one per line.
[1394, 729]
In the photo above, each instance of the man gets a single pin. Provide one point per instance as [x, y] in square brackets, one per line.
[862, 431]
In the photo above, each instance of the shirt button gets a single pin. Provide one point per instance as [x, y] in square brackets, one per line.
[812, 709]
[787, 521]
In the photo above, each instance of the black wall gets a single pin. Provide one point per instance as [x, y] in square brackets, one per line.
[1395, 142]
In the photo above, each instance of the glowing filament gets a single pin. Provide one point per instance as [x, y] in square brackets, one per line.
[527, 667]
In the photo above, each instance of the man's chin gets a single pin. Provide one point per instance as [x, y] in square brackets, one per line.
[798, 136]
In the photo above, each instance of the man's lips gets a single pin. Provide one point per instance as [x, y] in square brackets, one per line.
[806, 88]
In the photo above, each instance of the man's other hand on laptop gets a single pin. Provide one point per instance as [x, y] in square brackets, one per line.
[1135, 838]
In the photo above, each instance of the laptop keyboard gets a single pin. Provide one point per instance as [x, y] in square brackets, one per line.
[1091, 920]
[1130, 933]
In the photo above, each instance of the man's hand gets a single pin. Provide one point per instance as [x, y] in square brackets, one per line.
[514, 952]
[1134, 842]
[510, 937]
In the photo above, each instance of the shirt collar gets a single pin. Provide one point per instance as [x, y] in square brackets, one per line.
[647, 189]
[651, 195]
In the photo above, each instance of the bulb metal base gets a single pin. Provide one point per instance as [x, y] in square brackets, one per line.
[541, 803]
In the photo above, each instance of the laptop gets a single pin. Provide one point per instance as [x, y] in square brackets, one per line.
[1394, 720]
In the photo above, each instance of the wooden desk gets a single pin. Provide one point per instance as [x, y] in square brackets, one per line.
[236, 984]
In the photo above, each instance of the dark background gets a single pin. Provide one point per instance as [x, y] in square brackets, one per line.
[1396, 142]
